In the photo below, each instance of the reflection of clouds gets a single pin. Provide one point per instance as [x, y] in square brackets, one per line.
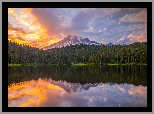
[105, 98]
[43, 93]
[137, 90]
[67, 100]
[35, 91]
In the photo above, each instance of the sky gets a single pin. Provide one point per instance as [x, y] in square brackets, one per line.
[41, 27]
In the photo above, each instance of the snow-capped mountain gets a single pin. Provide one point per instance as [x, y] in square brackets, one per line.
[71, 40]
[73, 87]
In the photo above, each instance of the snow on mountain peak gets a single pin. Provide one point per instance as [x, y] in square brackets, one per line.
[71, 40]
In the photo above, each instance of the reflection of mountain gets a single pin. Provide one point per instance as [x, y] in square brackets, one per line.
[72, 87]
[110, 83]
[40, 93]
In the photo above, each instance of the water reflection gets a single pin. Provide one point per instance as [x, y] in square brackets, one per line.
[52, 93]
[136, 75]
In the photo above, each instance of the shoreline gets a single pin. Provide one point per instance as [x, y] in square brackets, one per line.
[79, 64]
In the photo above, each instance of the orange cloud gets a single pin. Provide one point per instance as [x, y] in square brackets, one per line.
[138, 38]
[42, 26]
[121, 39]
[138, 90]
[11, 11]
[23, 15]
[47, 21]
[17, 29]
[35, 91]
[14, 39]
[41, 29]
[38, 32]
[18, 35]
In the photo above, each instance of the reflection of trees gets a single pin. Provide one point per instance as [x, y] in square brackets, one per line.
[136, 75]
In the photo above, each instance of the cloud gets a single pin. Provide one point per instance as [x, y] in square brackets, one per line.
[142, 32]
[17, 29]
[78, 27]
[20, 38]
[130, 27]
[11, 11]
[123, 40]
[103, 41]
[104, 29]
[50, 25]
[130, 9]
[81, 25]
[101, 12]
[100, 30]
[108, 11]
[41, 25]
[23, 15]
[135, 17]
[47, 20]
[114, 33]
[137, 38]
[91, 29]
[10, 26]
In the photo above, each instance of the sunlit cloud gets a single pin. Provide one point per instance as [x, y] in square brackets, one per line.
[11, 11]
[50, 25]
[40, 35]
[23, 15]
[137, 38]
[121, 39]
[121, 89]
[138, 90]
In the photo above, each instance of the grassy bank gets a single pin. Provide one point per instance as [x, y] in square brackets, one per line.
[14, 64]
[126, 64]
[79, 64]
[36, 64]
[72, 64]
[28, 64]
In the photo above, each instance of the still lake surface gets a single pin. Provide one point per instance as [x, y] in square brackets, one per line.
[77, 86]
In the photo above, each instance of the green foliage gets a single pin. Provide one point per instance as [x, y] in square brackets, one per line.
[135, 53]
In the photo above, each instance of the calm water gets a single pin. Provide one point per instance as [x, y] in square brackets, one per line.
[99, 86]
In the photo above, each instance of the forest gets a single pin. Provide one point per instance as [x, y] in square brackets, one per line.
[135, 53]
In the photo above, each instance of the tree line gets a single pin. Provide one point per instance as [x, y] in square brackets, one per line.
[135, 53]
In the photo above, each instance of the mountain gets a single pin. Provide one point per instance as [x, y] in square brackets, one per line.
[71, 40]
[72, 87]
[110, 44]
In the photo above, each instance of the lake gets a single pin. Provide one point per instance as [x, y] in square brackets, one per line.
[77, 86]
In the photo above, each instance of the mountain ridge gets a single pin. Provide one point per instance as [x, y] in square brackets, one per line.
[71, 40]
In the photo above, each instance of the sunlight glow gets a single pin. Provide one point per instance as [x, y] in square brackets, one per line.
[36, 90]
